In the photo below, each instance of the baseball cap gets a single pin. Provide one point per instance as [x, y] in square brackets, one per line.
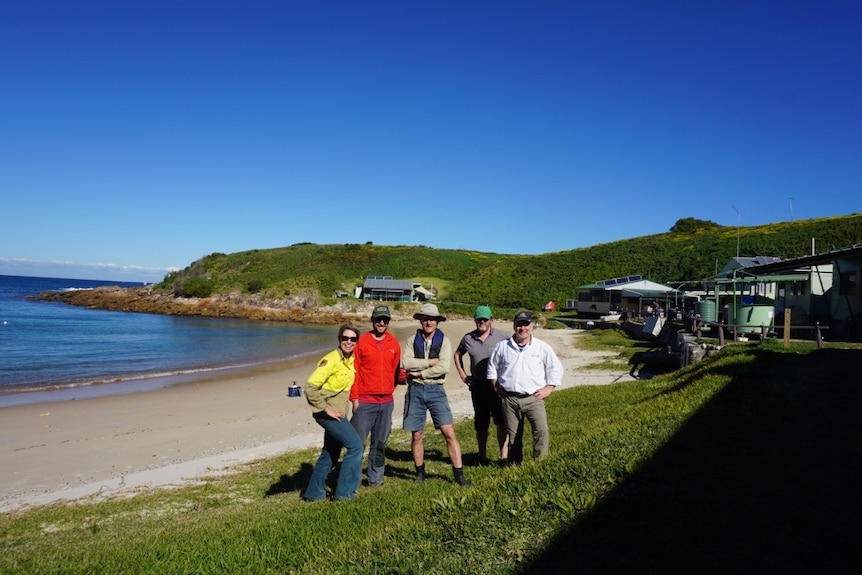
[381, 311]
[482, 312]
[523, 315]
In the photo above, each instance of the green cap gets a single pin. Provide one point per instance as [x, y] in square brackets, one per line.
[381, 311]
[482, 312]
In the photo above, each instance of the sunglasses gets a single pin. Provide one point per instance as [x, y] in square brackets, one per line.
[522, 323]
[482, 319]
[381, 320]
[353, 338]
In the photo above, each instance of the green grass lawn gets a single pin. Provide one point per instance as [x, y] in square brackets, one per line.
[745, 462]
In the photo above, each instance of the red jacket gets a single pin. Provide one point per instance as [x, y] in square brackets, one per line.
[376, 364]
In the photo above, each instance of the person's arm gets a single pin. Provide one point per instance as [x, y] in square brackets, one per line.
[313, 386]
[354, 389]
[459, 365]
[439, 367]
[409, 360]
[498, 390]
[553, 373]
[491, 373]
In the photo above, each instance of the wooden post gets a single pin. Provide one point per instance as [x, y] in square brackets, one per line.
[786, 327]
[762, 332]
[720, 334]
[819, 335]
[698, 328]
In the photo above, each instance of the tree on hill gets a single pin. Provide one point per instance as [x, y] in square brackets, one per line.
[692, 225]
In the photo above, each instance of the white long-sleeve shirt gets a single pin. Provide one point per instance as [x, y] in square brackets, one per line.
[527, 369]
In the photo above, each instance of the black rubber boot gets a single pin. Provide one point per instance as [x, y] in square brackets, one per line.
[459, 477]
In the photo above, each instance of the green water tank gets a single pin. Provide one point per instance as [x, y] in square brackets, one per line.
[749, 318]
[706, 310]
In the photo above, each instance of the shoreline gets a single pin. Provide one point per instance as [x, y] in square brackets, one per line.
[125, 385]
[118, 445]
[143, 383]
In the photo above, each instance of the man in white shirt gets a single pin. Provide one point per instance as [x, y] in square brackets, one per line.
[524, 371]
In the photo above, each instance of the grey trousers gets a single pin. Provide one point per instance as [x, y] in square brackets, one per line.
[515, 410]
[374, 419]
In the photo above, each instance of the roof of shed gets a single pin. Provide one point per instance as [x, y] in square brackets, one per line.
[388, 284]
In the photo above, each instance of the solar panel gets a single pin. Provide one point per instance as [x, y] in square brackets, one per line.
[620, 280]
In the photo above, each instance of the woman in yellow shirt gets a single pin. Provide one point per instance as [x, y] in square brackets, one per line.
[328, 391]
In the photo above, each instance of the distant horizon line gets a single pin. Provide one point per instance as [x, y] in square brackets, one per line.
[67, 270]
[142, 282]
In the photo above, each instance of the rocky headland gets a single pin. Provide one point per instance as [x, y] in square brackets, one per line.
[148, 299]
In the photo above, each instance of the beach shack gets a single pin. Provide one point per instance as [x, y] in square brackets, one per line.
[627, 295]
[820, 289]
[386, 288]
[755, 292]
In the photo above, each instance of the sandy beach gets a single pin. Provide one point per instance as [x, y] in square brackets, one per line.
[111, 446]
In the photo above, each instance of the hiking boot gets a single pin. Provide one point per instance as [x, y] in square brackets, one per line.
[458, 472]
[420, 474]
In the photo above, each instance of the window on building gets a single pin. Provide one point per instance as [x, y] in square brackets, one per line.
[847, 283]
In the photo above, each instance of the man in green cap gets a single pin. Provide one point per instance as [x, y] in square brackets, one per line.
[478, 345]
[377, 357]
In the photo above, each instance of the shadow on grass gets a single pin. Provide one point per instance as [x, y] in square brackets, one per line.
[407, 471]
[295, 482]
[763, 479]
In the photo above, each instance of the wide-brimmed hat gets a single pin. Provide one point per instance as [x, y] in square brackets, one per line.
[428, 310]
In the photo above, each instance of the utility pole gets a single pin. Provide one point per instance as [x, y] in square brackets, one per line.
[737, 229]
[791, 208]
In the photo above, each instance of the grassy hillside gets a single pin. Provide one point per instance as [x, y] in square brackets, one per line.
[690, 251]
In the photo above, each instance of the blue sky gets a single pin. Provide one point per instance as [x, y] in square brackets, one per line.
[139, 136]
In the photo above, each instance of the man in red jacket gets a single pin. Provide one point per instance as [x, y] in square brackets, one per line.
[377, 358]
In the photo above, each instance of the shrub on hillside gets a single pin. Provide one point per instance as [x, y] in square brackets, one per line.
[194, 287]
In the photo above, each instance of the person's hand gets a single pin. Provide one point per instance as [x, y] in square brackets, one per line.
[544, 392]
[355, 404]
[334, 413]
[468, 379]
[433, 361]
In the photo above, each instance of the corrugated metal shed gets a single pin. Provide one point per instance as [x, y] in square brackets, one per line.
[386, 288]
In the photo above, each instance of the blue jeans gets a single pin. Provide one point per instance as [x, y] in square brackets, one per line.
[376, 419]
[337, 434]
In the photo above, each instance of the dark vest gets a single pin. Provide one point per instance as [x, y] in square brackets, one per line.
[419, 344]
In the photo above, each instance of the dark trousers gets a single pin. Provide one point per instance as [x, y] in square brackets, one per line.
[374, 419]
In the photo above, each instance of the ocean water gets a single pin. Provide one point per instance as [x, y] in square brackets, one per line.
[55, 351]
